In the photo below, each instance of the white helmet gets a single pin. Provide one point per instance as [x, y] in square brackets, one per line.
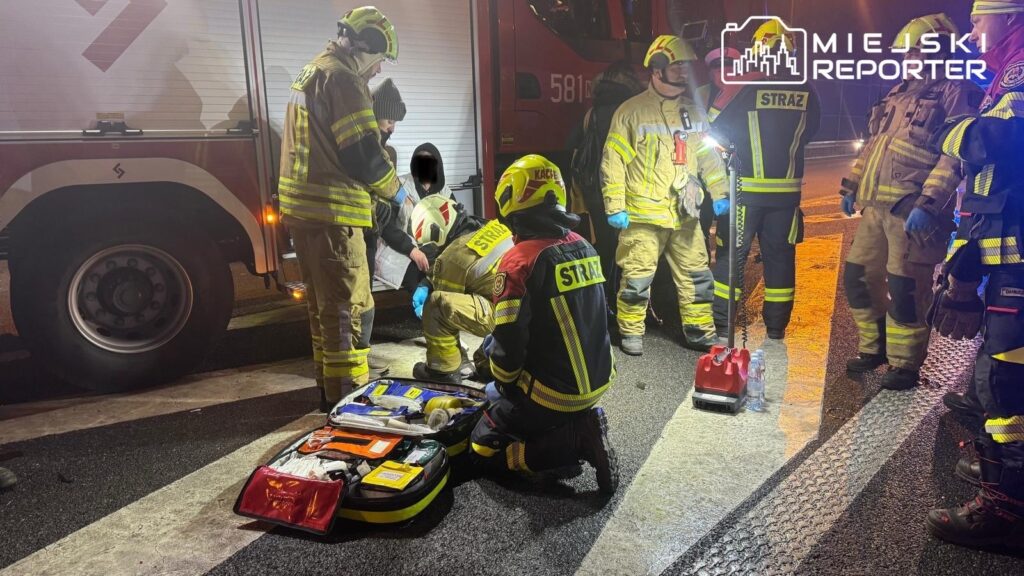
[433, 219]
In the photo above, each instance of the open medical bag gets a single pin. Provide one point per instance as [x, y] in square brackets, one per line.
[382, 457]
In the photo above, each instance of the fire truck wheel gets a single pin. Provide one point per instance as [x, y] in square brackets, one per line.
[113, 311]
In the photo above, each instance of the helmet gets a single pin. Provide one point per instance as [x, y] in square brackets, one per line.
[433, 219]
[528, 183]
[910, 36]
[667, 49]
[369, 25]
[985, 7]
[770, 33]
[718, 54]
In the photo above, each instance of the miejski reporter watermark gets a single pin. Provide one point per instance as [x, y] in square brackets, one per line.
[805, 56]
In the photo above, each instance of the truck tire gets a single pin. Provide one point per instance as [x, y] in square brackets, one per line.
[110, 311]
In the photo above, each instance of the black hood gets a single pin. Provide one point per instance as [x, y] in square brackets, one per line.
[433, 170]
[614, 86]
[542, 222]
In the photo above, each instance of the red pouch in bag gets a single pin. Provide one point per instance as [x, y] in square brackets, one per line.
[291, 501]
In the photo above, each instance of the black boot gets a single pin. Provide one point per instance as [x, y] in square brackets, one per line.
[325, 406]
[865, 362]
[965, 407]
[969, 470]
[423, 372]
[996, 515]
[900, 379]
[592, 445]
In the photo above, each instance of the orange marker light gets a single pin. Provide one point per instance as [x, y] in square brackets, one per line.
[269, 215]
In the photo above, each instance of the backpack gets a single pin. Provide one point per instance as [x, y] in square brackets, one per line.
[586, 159]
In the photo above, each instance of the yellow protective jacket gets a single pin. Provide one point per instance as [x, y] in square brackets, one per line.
[469, 263]
[896, 161]
[637, 169]
[331, 156]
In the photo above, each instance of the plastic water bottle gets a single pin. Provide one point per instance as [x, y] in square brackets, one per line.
[755, 382]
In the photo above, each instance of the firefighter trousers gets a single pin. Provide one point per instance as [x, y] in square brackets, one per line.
[778, 231]
[332, 260]
[444, 315]
[520, 436]
[999, 370]
[640, 248]
[888, 282]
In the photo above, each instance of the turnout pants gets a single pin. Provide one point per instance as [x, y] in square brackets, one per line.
[778, 231]
[888, 280]
[332, 260]
[444, 315]
[520, 436]
[640, 248]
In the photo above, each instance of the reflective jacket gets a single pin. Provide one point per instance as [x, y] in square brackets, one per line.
[637, 169]
[331, 156]
[770, 127]
[990, 147]
[897, 161]
[551, 342]
[468, 264]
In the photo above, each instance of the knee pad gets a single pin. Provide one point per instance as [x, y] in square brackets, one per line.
[857, 293]
[704, 285]
[366, 328]
[637, 290]
[902, 307]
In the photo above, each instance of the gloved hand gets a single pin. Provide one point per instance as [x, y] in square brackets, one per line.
[958, 310]
[419, 298]
[721, 206]
[619, 220]
[847, 204]
[919, 221]
[488, 345]
[400, 196]
[691, 196]
[492, 392]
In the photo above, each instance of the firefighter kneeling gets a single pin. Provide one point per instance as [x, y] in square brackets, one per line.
[550, 352]
[457, 294]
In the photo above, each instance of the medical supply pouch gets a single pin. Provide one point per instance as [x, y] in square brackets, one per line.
[287, 500]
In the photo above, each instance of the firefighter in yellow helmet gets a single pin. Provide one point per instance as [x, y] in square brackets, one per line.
[332, 162]
[550, 353]
[456, 295]
[655, 171]
[906, 193]
[770, 125]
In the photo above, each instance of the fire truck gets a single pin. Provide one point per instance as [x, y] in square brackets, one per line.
[139, 143]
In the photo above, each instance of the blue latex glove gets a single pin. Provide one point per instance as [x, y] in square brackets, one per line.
[721, 206]
[619, 220]
[419, 298]
[919, 221]
[847, 204]
[400, 196]
[491, 390]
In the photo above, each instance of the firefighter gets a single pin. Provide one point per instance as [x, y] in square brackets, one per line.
[654, 172]
[769, 125]
[907, 194]
[457, 293]
[331, 163]
[550, 353]
[988, 242]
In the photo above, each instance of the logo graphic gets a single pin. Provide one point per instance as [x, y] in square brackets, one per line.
[772, 59]
[118, 170]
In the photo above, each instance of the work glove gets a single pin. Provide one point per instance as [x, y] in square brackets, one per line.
[847, 204]
[691, 196]
[619, 220]
[958, 310]
[419, 298]
[721, 206]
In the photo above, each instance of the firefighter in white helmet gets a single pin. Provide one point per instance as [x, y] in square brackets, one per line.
[456, 296]
[906, 193]
[332, 162]
[655, 171]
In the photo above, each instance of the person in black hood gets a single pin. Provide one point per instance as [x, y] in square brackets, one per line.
[426, 171]
[611, 88]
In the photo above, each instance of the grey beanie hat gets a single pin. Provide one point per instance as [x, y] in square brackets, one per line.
[387, 102]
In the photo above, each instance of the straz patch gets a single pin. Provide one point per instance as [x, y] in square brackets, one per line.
[782, 100]
[304, 78]
[579, 273]
[486, 238]
[499, 283]
[1013, 77]
[1011, 292]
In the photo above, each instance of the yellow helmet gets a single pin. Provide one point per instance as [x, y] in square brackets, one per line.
[769, 34]
[433, 219]
[985, 7]
[910, 36]
[527, 183]
[667, 49]
[369, 25]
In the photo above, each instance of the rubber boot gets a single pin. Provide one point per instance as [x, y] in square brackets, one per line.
[592, 445]
[421, 371]
[865, 362]
[964, 407]
[378, 366]
[969, 470]
[995, 517]
[900, 379]
[7, 478]
[633, 345]
[701, 343]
